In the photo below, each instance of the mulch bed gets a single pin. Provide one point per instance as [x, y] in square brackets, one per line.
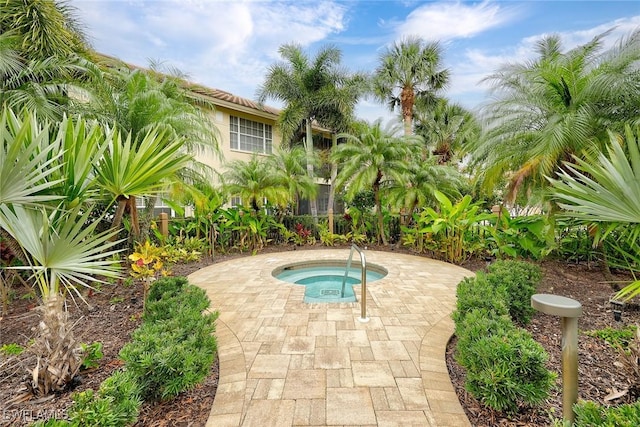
[114, 312]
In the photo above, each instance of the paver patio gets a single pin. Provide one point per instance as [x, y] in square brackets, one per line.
[284, 362]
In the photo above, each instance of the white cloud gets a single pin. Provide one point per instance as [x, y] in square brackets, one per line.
[448, 20]
[222, 44]
[477, 64]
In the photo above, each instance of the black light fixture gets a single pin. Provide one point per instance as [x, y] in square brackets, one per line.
[617, 307]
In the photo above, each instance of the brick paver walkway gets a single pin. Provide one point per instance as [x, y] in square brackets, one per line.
[286, 363]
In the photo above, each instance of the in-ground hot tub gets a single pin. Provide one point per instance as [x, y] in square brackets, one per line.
[325, 279]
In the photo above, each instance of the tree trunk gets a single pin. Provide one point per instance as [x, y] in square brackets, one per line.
[58, 354]
[376, 192]
[117, 217]
[332, 187]
[308, 145]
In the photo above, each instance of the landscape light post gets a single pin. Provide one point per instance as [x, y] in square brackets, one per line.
[569, 310]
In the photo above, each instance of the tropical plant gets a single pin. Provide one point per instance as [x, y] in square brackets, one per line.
[28, 160]
[446, 129]
[63, 251]
[45, 28]
[287, 169]
[255, 182]
[312, 92]
[129, 169]
[446, 232]
[370, 159]
[520, 236]
[410, 70]
[423, 179]
[41, 49]
[605, 189]
[556, 108]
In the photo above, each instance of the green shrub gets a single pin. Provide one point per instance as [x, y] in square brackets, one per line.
[520, 280]
[615, 337]
[115, 404]
[91, 354]
[174, 348]
[478, 324]
[169, 305]
[166, 285]
[591, 414]
[478, 293]
[506, 370]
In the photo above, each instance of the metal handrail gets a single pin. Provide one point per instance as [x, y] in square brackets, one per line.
[363, 264]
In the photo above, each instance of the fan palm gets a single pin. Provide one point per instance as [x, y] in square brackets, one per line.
[62, 250]
[371, 158]
[29, 160]
[128, 169]
[311, 91]
[410, 70]
[556, 107]
[606, 189]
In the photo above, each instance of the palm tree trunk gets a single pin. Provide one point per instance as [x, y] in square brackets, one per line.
[117, 217]
[332, 187]
[376, 193]
[308, 145]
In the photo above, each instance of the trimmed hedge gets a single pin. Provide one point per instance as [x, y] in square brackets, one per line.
[505, 365]
[520, 279]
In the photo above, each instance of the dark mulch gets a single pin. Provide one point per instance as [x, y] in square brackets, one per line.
[114, 312]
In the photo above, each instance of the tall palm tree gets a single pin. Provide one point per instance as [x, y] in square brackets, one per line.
[311, 92]
[410, 70]
[371, 158]
[556, 106]
[254, 182]
[446, 129]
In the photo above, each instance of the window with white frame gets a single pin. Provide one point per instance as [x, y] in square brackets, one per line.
[247, 135]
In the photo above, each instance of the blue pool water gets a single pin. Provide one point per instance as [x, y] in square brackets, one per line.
[324, 284]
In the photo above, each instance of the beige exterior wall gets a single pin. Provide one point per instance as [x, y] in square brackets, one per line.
[222, 119]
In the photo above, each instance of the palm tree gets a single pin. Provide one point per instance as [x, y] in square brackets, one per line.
[287, 169]
[311, 91]
[555, 107]
[128, 170]
[446, 129]
[423, 179]
[39, 84]
[60, 247]
[45, 28]
[371, 158]
[410, 70]
[41, 55]
[605, 189]
[254, 182]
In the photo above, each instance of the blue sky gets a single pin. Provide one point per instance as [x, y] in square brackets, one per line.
[230, 44]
